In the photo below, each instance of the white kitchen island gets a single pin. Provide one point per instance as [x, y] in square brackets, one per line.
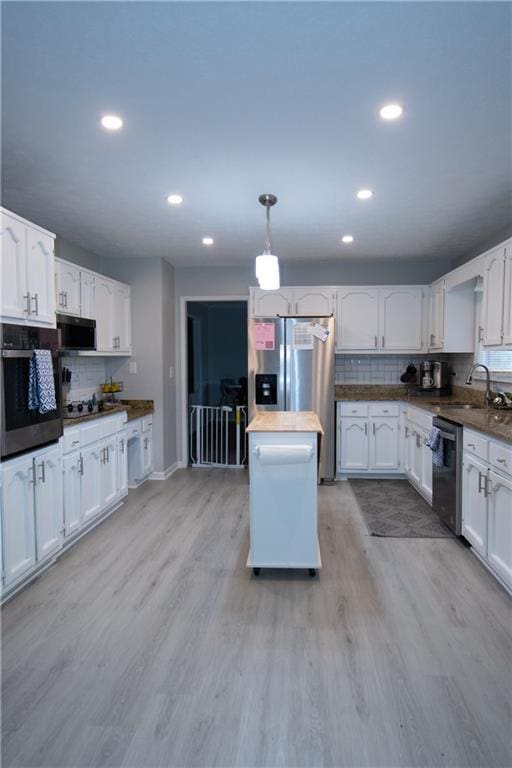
[283, 469]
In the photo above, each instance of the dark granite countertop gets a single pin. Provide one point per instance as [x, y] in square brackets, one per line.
[135, 409]
[491, 422]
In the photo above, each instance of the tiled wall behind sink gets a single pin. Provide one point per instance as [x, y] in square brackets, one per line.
[87, 373]
[374, 369]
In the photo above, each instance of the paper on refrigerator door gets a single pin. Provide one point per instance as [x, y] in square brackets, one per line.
[264, 336]
[302, 338]
[319, 332]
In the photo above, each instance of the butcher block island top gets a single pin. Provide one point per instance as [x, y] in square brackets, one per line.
[285, 421]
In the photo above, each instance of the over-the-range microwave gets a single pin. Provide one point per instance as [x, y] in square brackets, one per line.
[76, 333]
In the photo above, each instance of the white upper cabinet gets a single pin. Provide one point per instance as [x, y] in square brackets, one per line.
[313, 301]
[401, 318]
[87, 295]
[307, 301]
[507, 305]
[270, 303]
[436, 316]
[104, 297]
[122, 338]
[14, 270]
[67, 288]
[493, 298]
[27, 272]
[357, 318]
[383, 319]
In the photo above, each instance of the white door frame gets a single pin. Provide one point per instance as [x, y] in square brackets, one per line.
[183, 404]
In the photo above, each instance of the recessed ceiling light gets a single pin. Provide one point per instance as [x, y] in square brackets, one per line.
[207, 240]
[347, 239]
[391, 111]
[365, 194]
[111, 122]
[175, 199]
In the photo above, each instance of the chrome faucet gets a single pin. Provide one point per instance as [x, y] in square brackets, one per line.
[469, 380]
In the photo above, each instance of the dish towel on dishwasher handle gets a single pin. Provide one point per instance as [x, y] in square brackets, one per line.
[434, 441]
[283, 454]
[41, 384]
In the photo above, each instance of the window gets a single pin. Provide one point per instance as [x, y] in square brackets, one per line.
[497, 361]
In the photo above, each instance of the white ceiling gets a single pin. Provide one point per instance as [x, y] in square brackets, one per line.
[224, 101]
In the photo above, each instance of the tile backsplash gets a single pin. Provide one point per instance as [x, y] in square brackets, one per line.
[87, 373]
[373, 369]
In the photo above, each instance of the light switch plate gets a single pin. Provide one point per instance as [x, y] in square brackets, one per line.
[171, 372]
[132, 367]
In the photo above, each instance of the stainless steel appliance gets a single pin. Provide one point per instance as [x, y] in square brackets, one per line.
[24, 429]
[435, 375]
[291, 368]
[447, 480]
[76, 333]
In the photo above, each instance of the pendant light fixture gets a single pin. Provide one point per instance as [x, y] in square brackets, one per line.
[267, 265]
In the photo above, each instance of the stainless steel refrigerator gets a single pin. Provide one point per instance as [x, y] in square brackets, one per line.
[291, 368]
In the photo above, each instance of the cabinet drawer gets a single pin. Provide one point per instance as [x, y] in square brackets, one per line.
[384, 409]
[147, 423]
[71, 439]
[90, 433]
[500, 456]
[475, 444]
[353, 409]
[133, 428]
[109, 426]
[419, 417]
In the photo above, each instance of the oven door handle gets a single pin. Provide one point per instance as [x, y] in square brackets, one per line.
[24, 352]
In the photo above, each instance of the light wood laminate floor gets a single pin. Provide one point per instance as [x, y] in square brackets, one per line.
[151, 644]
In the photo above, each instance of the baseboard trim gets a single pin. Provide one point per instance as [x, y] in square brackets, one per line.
[164, 475]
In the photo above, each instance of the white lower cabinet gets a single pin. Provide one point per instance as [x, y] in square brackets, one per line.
[109, 472]
[18, 521]
[417, 456]
[487, 502]
[139, 450]
[90, 485]
[122, 464]
[48, 502]
[368, 441]
[71, 466]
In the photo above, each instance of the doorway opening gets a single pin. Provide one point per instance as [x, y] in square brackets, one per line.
[217, 383]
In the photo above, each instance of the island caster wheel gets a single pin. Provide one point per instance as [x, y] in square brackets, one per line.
[312, 572]
[256, 571]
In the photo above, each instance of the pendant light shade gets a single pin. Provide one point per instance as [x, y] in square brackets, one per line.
[267, 265]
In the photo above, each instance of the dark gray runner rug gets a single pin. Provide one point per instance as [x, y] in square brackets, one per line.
[395, 508]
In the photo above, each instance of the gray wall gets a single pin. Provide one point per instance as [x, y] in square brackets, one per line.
[77, 255]
[484, 245]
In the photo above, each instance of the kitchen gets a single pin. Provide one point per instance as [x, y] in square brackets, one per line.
[141, 622]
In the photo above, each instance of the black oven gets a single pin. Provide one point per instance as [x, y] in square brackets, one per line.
[76, 333]
[24, 429]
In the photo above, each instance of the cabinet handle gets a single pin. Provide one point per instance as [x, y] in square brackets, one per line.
[487, 487]
[121, 445]
[32, 468]
[365, 428]
[43, 473]
[103, 456]
[418, 442]
[385, 410]
[108, 454]
[407, 431]
[75, 442]
[35, 299]
[27, 299]
[376, 342]
[501, 461]
[480, 333]
[81, 465]
[480, 476]
[471, 445]
[432, 339]
[289, 308]
[383, 342]
[373, 427]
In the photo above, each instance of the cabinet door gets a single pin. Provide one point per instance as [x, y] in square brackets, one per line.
[313, 301]
[41, 277]
[401, 319]
[71, 465]
[474, 503]
[109, 478]
[416, 459]
[492, 302]
[18, 525]
[104, 297]
[271, 303]
[507, 305]
[67, 288]
[48, 503]
[426, 467]
[384, 443]
[499, 544]
[436, 316]
[354, 444]
[122, 464]
[358, 318]
[13, 276]
[122, 319]
[147, 453]
[87, 302]
[90, 486]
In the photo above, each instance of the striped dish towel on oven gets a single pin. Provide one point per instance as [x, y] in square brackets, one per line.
[41, 384]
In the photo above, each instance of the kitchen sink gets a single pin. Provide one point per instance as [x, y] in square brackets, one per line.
[462, 406]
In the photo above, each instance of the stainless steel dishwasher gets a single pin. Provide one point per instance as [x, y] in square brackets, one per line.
[447, 480]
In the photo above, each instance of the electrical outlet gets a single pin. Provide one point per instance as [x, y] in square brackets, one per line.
[132, 367]
[171, 372]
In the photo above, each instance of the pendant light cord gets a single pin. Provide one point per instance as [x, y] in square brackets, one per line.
[268, 248]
